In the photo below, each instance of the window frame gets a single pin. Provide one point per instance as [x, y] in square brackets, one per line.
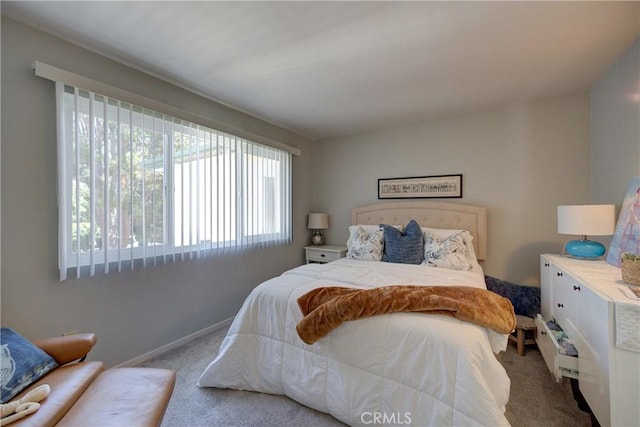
[107, 256]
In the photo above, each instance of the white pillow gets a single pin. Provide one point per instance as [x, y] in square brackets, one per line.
[365, 244]
[368, 228]
[443, 233]
[448, 252]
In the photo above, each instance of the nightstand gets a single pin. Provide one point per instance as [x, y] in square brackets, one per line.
[325, 253]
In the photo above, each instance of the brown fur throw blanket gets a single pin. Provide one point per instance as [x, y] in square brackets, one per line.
[326, 308]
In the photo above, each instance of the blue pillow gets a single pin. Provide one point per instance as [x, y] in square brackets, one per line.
[21, 364]
[405, 247]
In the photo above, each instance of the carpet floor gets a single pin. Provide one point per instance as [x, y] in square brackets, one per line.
[536, 400]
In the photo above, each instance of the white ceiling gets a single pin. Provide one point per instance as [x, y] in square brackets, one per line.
[325, 69]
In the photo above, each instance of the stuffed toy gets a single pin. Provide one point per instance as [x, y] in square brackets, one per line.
[28, 404]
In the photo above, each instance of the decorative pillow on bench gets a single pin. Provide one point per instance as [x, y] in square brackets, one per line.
[21, 364]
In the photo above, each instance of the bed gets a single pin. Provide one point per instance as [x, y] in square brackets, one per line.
[398, 368]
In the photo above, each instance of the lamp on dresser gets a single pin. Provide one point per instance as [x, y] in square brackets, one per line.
[317, 222]
[586, 220]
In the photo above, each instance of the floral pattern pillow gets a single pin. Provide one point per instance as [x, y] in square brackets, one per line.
[449, 252]
[365, 246]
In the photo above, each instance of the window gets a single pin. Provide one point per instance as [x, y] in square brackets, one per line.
[138, 187]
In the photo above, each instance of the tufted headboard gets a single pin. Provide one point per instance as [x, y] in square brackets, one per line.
[429, 214]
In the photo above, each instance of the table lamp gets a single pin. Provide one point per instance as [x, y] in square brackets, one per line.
[317, 222]
[586, 220]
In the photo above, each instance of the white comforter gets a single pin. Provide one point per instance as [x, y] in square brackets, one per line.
[401, 368]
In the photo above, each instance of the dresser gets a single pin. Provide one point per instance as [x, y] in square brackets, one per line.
[594, 308]
[325, 253]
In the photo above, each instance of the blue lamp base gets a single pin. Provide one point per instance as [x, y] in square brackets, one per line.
[585, 249]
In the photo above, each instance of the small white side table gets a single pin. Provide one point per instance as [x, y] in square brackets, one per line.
[325, 253]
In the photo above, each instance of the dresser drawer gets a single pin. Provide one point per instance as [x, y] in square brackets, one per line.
[321, 254]
[560, 365]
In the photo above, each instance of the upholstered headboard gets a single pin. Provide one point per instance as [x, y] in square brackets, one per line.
[429, 214]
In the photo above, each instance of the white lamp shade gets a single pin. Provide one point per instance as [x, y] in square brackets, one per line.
[586, 220]
[318, 221]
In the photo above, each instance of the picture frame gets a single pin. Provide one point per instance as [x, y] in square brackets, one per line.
[419, 187]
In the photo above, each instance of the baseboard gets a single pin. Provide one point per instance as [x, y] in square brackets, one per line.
[175, 344]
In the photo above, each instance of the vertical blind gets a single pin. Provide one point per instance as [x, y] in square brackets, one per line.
[137, 187]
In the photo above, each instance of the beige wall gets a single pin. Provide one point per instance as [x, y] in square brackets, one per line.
[131, 312]
[520, 161]
[615, 128]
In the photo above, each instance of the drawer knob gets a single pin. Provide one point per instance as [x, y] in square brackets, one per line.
[546, 264]
[559, 274]
[576, 288]
[560, 305]
[322, 255]
[543, 333]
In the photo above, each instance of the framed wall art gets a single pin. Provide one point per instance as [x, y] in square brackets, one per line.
[418, 187]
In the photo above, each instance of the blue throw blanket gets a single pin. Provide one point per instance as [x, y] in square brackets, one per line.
[525, 299]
